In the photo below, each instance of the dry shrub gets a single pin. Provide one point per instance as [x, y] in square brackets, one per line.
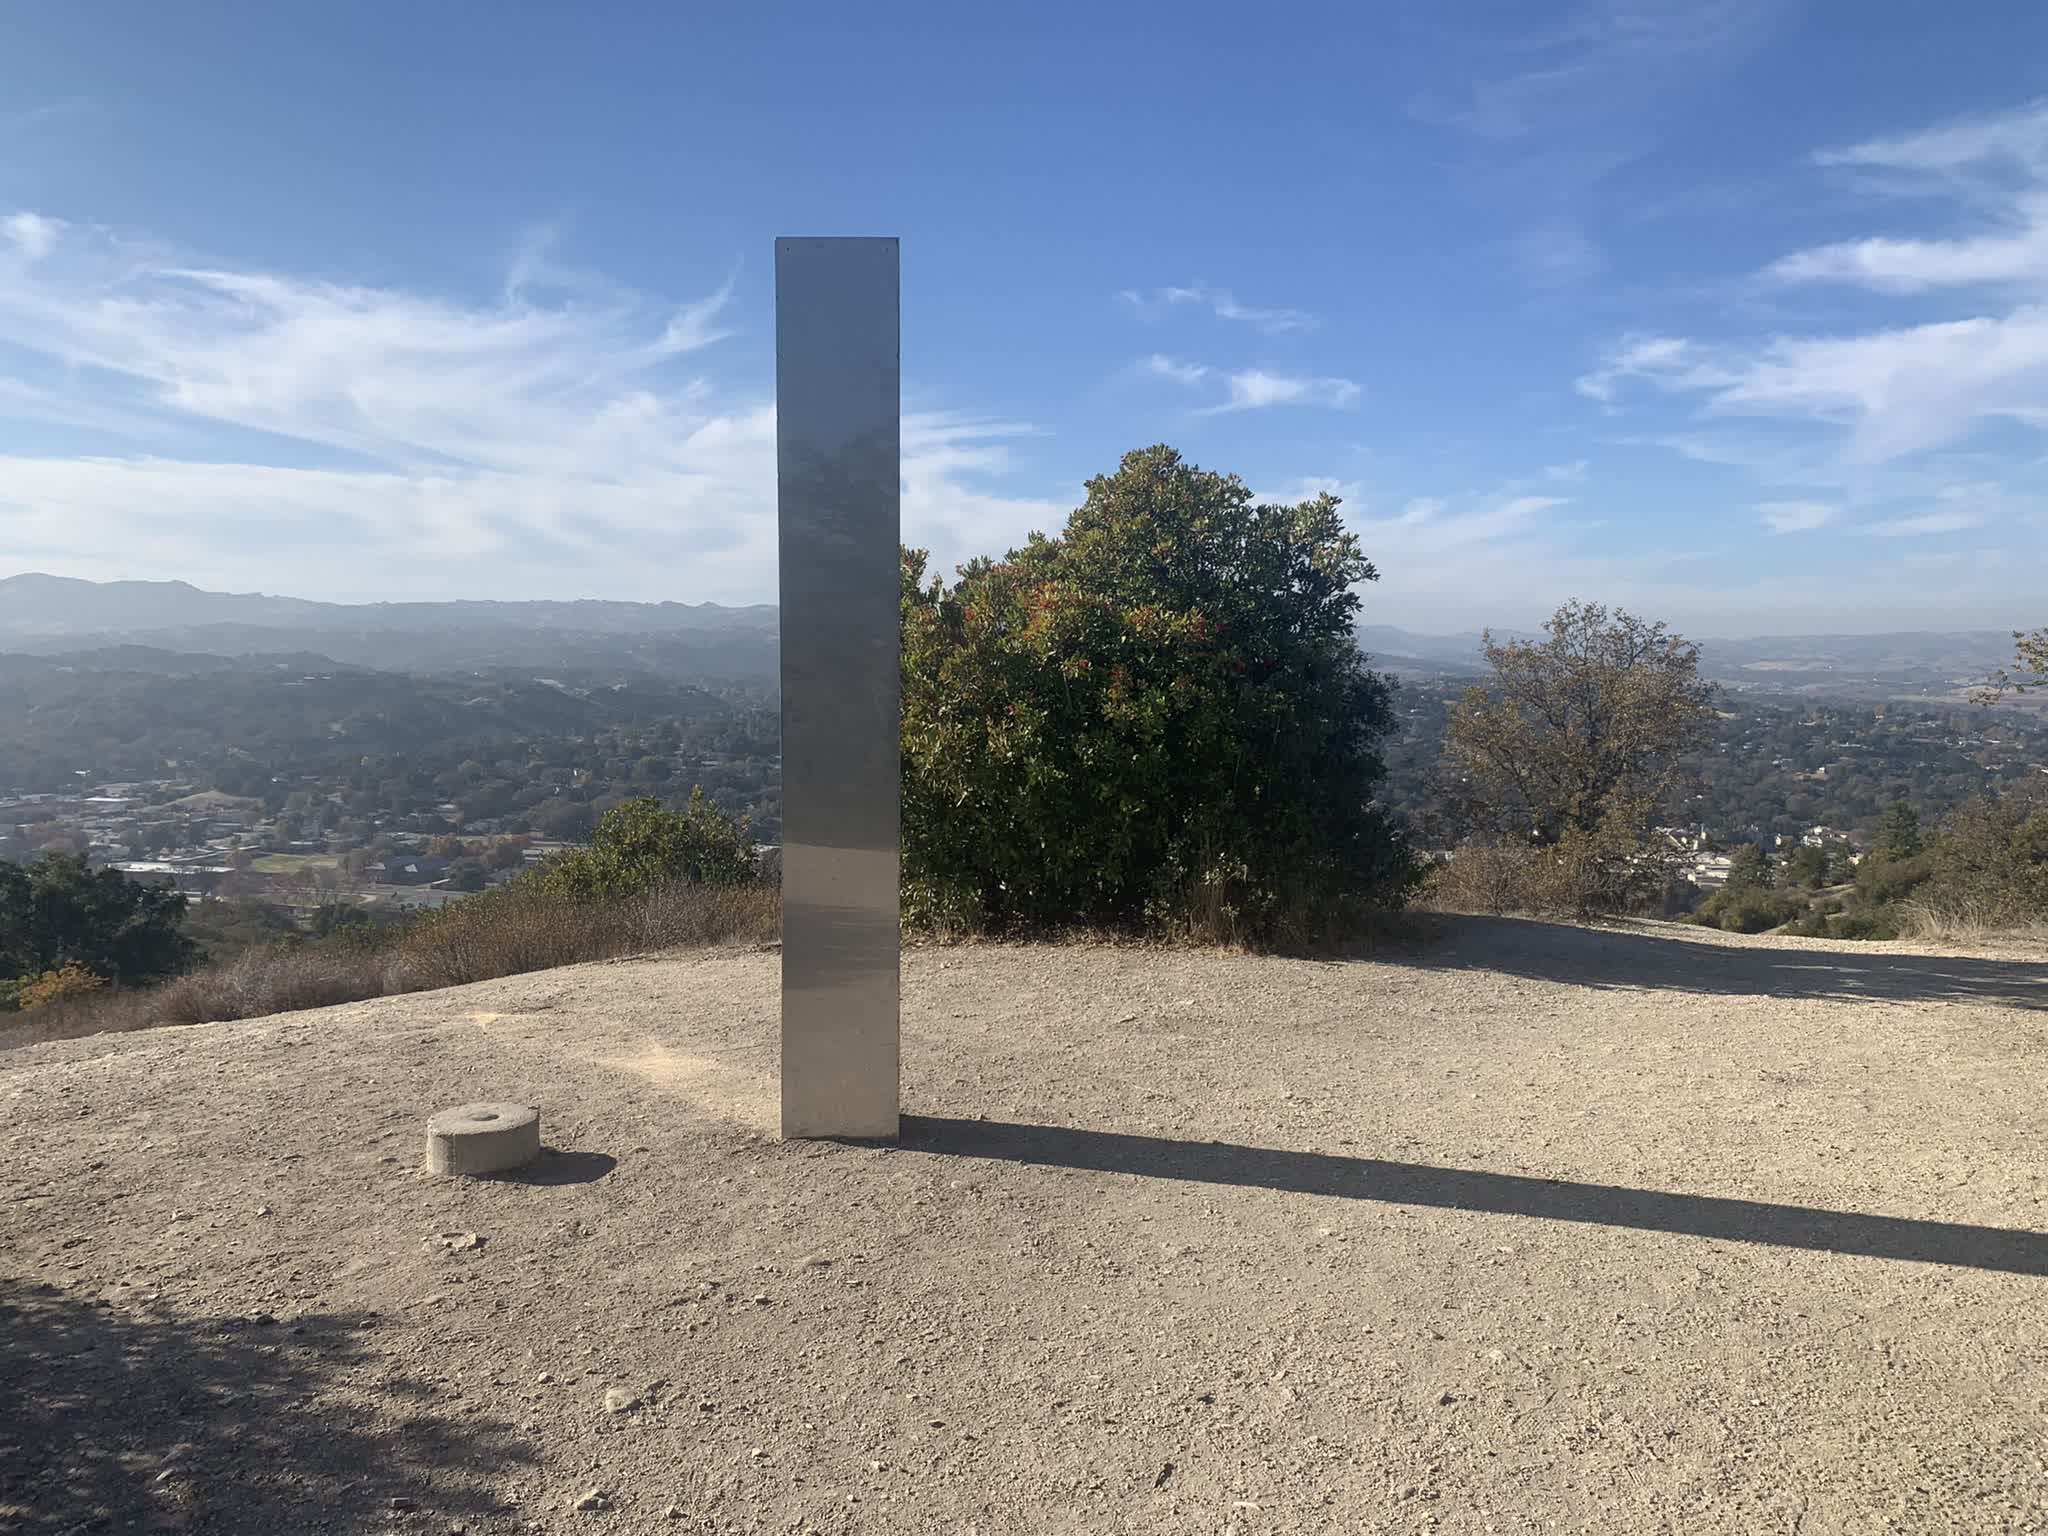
[519, 928]
[1582, 875]
[1492, 879]
[94, 1013]
[683, 916]
[61, 985]
[1960, 921]
[276, 981]
[504, 932]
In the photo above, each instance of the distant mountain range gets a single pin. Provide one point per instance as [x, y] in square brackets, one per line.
[53, 614]
[34, 604]
[56, 614]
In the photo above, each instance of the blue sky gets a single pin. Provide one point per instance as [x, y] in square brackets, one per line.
[1734, 312]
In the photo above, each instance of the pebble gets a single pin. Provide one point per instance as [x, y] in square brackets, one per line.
[545, 1377]
[673, 1512]
[619, 1400]
[402, 1506]
[454, 1242]
[589, 1503]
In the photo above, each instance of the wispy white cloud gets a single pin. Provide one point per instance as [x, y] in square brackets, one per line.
[1991, 169]
[1885, 393]
[1923, 524]
[1425, 531]
[1915, 266]
[31, 234]
[1669, 362]
[1221, 303]
[1580, 72]
[1161, 367]
[295, 433]
[2017, 135]
[1796, 516]
[1255, 389]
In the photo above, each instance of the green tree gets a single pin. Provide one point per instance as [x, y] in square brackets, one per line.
[1898, 833]
[468, 875]
[1157, 718]
[1574, 744]
[59, 913]
[639, 846]
[1749, 869]
[1809, 866]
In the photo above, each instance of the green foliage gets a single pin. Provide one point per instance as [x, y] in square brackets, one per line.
[1990, 862]
[1156, 719]
[1882, 879]
[224, 930]
[1749, 869]
[60, 912]
[1866, 923]
[1808, 866]
[1898, 833]
[640, 847]
[1748, 909]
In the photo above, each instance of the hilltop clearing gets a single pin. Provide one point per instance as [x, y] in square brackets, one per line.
[1542, 1228]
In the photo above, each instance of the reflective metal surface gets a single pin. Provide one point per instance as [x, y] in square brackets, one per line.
[837, 391]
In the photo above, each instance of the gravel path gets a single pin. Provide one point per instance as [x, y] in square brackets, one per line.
[1538, 1229]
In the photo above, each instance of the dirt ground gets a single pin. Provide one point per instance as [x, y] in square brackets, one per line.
[1536, 1229]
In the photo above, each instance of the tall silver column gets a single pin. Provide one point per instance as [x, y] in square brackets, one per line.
[838, 360]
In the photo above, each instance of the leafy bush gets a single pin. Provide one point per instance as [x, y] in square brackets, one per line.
[1158, 720]
[1748, 909]
[1990, 864]
[60, 912]
[640, 847]
[1882, 880]
[1866, 923]
[61, 985]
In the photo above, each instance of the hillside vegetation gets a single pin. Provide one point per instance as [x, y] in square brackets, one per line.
[1154, 723]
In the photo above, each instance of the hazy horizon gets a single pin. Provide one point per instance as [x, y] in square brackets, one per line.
[1366, 621]
[1537, 291]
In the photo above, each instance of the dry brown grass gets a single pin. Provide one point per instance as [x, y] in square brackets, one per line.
[1965, 923]
[515, 929]
[497, 933]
